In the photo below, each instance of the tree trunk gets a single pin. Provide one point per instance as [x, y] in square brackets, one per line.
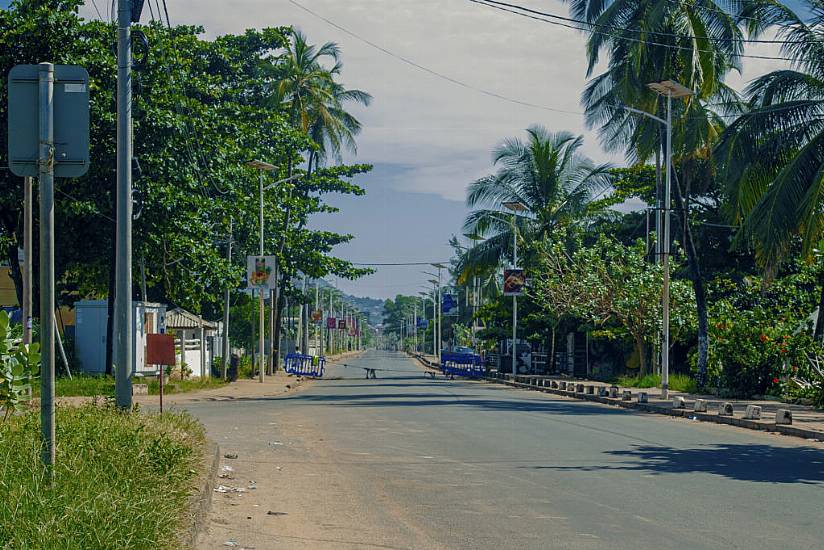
[551, 361]
[819, 322]
[15, 274]
[641, 347]
[698, 287]
[281, 296]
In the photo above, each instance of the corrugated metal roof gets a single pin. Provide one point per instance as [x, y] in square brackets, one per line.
[180, 318]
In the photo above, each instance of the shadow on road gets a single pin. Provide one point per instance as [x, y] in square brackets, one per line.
[743, 462]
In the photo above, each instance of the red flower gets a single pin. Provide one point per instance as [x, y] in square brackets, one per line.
[764, 338]
[775, 380]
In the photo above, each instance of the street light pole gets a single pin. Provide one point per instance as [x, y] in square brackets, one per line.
[666, 290]
[515, 207]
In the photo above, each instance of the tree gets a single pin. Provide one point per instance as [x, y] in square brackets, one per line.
[613, 288]
[682, 40]
[773, 156]
[549, 175]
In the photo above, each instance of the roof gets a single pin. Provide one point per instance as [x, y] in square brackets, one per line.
[180, 318]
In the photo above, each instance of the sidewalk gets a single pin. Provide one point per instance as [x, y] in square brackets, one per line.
[807, 422]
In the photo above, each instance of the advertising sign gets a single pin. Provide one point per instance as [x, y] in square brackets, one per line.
[449, 306]
[260, 272]
[342, 324]
[514, 282]
[423, 323]
[331, 323]
[317, 316]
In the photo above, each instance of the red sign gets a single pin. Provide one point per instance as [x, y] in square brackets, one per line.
[160, 349]
[331, 322]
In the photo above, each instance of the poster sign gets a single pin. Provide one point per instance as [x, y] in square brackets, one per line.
[514, 282]
[423, 323]
[342, 324]
[331, 323]
[449, 306]
[317, 316]
[160, 349]
[260, 272]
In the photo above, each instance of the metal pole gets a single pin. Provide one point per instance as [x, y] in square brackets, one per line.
[440, 316]
[261, 303]
[124, 317]
[514, 298]
[434, 323]
[666, 248]
[226, 297]
[46, 176]
[27, 259]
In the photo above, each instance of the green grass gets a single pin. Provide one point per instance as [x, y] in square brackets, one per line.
[122, 479]
[677, 382]
[90, 386]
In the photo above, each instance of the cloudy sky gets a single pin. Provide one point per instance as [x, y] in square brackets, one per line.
[426, 135]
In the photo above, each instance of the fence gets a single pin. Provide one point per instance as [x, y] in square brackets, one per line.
[305, 365]
[463, 364]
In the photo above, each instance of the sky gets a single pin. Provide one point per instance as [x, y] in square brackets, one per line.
[427, 136]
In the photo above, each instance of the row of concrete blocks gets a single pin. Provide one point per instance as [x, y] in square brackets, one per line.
[752, 412]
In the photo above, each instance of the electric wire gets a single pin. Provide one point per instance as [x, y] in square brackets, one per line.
[589, 27]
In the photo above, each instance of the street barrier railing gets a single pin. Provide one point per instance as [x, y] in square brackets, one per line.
[305, 365]
[468, 365]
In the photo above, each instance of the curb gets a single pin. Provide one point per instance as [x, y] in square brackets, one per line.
[760, 425]
[200, 501]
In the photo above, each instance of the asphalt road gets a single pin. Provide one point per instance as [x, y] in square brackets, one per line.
[407, 462]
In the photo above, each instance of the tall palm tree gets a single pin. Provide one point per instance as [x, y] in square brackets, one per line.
[549, 175]
[773, 156]
[694, 42]
[316, 103]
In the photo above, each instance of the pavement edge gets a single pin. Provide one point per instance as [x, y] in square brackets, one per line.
[200, 501]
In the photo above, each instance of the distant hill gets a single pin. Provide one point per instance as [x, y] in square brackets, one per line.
[373, 307]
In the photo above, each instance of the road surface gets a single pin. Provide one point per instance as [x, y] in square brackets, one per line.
[407, 462]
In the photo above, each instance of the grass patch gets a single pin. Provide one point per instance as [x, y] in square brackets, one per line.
[103, 386]
[122, 479]
[677, 382]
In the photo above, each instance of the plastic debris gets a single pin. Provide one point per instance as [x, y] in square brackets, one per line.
[230, 455]
[272, 513]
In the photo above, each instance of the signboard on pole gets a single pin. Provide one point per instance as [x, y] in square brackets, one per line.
[514, 282]
[331, 323]
[342, 324]
[317, 316]
[423, 323]
[449, 306]
[160, 349]
[71, 120]
[260, 272]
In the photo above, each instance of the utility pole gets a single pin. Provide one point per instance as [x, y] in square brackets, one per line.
[226, 351]
[27, 259]
[304, 313]
[46, 177]
[123, 265]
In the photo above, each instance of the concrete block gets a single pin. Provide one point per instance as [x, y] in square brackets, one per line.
[783, 416]
[643, 397]
[725, 409]
[752, 412]
[626, 396]
[590, 390]
[579, 388]
[613, 391]
[678, 402]
[140, 389]
[700, 406]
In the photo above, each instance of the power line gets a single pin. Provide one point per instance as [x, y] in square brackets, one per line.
[579, 25]
[431, 71]
[395, 264]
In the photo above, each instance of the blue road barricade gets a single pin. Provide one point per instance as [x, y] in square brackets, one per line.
[305, 365]
[462, 364]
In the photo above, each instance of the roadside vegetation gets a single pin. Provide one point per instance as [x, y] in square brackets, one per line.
[122, 479]
[103, 386]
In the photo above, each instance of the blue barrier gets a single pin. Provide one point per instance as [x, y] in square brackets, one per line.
[462, 364]
[304, 365]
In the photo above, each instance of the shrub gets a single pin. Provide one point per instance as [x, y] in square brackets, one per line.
[18, 363]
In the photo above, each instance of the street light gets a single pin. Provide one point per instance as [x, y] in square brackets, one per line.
[670, 89]
[476, 287]
[439, 267]
[515, 207]
[261, 167]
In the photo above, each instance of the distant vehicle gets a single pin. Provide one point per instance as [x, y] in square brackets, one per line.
[463, 349]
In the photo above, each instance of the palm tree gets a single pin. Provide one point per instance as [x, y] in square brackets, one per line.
[773, 156]
[693, 42]
[315, 102]
[549, 175]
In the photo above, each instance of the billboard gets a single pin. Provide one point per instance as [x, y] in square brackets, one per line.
[514, 282]
[331, 323]
[342, 324]
[317, 316]
[260, 272]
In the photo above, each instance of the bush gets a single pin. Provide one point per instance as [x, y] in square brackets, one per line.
[18, 364]
[677, 382]
[121, 479]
